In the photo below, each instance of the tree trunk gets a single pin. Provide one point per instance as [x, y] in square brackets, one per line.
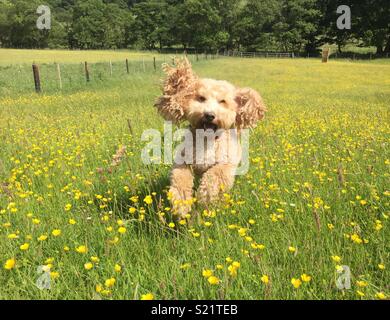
[387, 48]
[379, 49]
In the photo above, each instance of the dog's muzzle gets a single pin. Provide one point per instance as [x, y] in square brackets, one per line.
[207, 121]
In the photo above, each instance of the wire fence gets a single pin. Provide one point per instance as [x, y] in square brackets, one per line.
[52, 77]
[266, 54]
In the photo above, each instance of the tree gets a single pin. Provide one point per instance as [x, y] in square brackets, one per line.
[253, 29]
[297, 25]
[373, 23]
[150, 24]
[97, 25]
[18, 25]
[196, 24]
[329, 32]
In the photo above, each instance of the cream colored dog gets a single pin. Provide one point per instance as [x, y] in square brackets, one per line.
[210, 106]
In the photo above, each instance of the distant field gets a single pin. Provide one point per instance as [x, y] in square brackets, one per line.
[16, 56]
[316, 196]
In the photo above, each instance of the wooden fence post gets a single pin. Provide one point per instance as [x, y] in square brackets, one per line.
[127, 66]
[59, 75]
[325, 55]
[37, 79]
[154, 64]
[197, 57]
[86, 71]
[110, 68]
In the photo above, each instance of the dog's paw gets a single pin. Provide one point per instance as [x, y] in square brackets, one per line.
[181, 207]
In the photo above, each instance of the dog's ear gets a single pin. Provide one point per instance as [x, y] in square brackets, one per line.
[178, 87]
[251, 108]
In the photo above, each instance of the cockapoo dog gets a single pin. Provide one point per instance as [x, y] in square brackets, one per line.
[209, 106]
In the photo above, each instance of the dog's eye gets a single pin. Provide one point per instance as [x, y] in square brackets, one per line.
[222, 101]
[200, 99]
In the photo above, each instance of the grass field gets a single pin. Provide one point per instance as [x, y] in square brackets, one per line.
[316, 196]
[17, 56]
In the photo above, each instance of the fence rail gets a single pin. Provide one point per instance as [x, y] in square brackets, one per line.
[241, 54]
[59, 76]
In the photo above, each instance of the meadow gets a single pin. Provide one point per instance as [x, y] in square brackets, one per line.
[316, 196]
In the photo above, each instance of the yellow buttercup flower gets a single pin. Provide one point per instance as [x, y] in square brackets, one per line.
[207, 273]
[122, 230]
[148, 296]
[336, 258]
[95, 259]
[265, 279]
[56, 232]
[213, 280]
[42, 237]
[330, 226]
[360, 293]
[305, 277]
[88, 266]
[9, 264]
[110, 282]
[148, 200]
[361, 283]
[185, 266]
[81, 249]
[292, 249]
[339, 268]
[24, 246]
[380, 296]
[296, 283]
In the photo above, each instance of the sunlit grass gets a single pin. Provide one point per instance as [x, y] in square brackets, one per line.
[316, 196]
[21, 56]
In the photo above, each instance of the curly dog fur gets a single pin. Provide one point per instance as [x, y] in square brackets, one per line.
[208, 105]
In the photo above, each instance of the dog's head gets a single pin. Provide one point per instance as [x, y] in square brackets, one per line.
[207, 103]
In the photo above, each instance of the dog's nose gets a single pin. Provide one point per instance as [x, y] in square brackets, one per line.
[209, 116]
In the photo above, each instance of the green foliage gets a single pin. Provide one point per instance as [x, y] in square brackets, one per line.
[298, 25]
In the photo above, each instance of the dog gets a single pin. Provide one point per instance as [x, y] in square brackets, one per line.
[210, 106]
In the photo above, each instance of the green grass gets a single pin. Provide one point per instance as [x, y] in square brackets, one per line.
[323, 119]
[20, 56]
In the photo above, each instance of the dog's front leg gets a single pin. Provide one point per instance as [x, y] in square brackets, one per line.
[215, 180]
[182, 181]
